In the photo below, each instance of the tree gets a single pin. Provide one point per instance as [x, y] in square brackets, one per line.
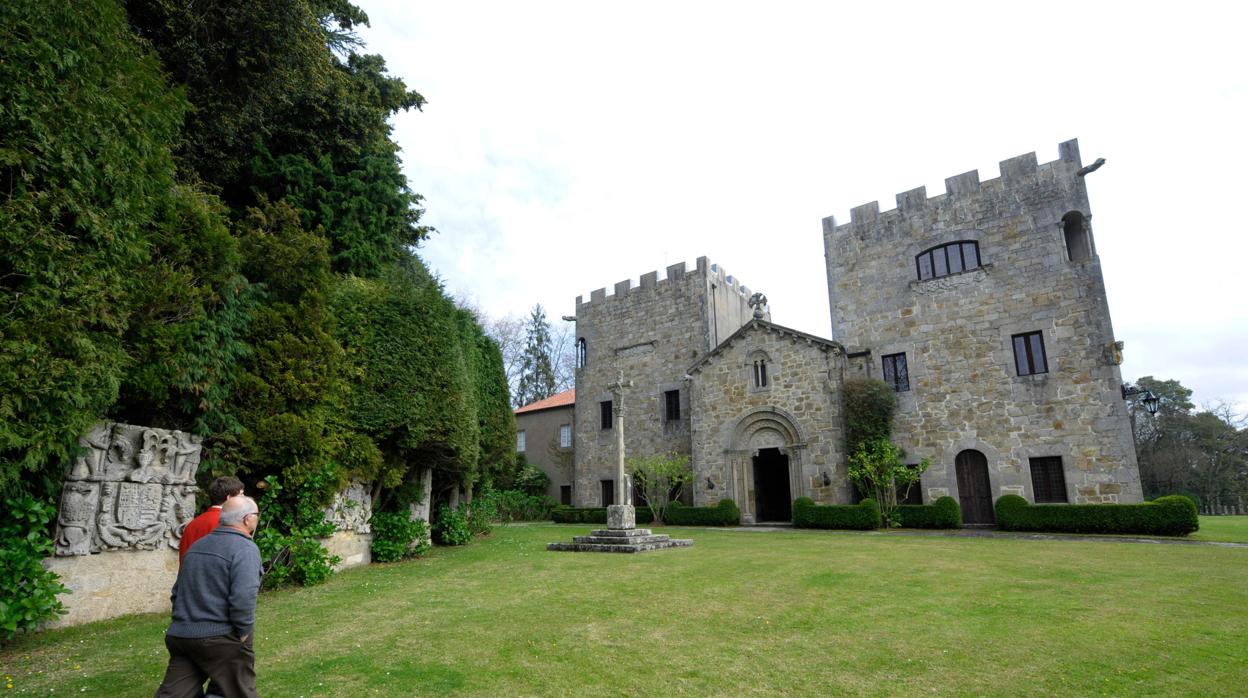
[660, 480]
[537, 372]
[876, 467]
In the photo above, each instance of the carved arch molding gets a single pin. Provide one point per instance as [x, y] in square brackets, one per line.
[763, 428]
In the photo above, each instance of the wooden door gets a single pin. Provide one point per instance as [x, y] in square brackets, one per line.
[974, 489]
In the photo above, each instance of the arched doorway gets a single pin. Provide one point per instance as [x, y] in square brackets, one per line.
[974, 489]
[772, 497]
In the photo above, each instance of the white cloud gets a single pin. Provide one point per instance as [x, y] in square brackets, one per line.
[568, 146]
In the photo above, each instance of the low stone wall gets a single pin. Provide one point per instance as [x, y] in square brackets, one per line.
[115, 584]
[354, 548]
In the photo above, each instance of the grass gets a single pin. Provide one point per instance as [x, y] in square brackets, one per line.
[740, 613]
[1230, 529]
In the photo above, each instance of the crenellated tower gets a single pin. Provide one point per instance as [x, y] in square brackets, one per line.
[985, 308]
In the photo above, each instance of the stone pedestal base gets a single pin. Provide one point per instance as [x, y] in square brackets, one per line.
[637, 540]
[621, 517]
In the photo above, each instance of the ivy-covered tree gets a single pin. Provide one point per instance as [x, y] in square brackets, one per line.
[537, 371]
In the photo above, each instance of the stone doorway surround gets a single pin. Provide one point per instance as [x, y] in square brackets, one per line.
[762, 428]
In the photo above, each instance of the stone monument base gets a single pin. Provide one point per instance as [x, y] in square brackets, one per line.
[621, 517]
[635, 540]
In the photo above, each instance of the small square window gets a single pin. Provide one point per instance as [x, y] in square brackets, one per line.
[1029, 356]
[895, 372]
[607, 417]
[1048, 480]
[520, 441]
[565, 436]
[671, 399]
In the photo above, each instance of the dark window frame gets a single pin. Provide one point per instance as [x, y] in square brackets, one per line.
[580, 353]
[608, 492]
[606, 410]
[900, 380]
[1048, 480]
[671, 407]
[947, 259]
[1034, 359]
[760, 372]
[565, 495]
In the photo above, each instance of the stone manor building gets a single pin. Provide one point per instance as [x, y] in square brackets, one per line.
[983, 307]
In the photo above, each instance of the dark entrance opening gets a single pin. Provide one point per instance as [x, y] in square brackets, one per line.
[974, 490]
[772, 498]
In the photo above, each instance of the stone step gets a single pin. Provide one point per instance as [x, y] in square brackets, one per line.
[619, 547]
[609, 540]
[621, 533]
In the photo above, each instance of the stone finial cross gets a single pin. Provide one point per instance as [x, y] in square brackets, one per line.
[617, 392]
[758, 301]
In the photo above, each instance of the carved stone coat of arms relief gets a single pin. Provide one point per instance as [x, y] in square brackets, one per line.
[133, 488]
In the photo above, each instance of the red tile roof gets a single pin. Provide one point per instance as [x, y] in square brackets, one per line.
[567, 397]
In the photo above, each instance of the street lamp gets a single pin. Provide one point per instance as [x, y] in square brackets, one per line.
[1150, 401]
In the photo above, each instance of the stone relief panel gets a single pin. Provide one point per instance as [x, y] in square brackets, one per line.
[133, 488]
[352, 508]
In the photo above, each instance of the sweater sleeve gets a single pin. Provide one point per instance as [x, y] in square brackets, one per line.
[244, 585]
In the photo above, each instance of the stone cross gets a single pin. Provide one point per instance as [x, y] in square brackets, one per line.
[758, 302]
[623, 495]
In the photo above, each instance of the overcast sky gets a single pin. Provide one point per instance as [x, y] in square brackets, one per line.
[568, 146]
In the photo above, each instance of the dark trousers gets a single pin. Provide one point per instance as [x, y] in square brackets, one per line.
[230, 664]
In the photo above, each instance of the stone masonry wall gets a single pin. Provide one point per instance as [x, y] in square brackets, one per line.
[956, 331]
[652, 332]
[799, 412]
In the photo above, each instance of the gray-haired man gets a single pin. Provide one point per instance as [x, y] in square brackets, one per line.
[214, 609]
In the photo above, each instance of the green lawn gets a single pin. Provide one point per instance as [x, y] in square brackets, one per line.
[1233, 529]
[792, 612]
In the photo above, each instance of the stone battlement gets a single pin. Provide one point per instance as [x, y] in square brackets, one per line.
[650, 281]
[1014, 172]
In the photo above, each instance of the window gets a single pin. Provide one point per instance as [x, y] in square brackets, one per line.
[760, 372]
[608, 492]
[605, 408]
[520, 441]
[672, 407]
[895, 373]
[1076, 234]
[565, 436]
[580, 353]
[944, 260]
[1029, 354]
[565, 495]
[1048, 480]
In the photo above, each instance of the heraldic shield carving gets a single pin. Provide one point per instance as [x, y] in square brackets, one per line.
[132, 488]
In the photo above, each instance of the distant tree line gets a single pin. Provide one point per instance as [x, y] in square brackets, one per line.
[204, 226]
[1202, 453]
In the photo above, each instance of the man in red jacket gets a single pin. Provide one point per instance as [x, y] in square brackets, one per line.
[220, 490]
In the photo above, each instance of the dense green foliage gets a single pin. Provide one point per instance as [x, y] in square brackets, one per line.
[515, 505]
[943, 513]
[204, 226]
[1174, 515]
[397, 535]
[862, 516]
[869, 407]
[594, 515]
[450, 526]
[726, 513]
[28, 592]
[877, 469]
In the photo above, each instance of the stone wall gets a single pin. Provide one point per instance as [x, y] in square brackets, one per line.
[651, 332]
[956, 331]
[798, 412]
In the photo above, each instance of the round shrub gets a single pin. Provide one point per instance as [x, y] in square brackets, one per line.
[730, 513]
[397, 535]
[450, 527]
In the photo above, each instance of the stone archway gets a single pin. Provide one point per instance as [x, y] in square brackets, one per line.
[772, 433]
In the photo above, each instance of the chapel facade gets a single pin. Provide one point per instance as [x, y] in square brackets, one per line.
[984, 308]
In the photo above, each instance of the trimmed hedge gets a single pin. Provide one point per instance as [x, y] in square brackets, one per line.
[594, 515]
[1174, 515]
[862, 516]
[725, 513]
[943, 513]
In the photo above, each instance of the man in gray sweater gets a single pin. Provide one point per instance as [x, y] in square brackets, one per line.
[214, 609]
